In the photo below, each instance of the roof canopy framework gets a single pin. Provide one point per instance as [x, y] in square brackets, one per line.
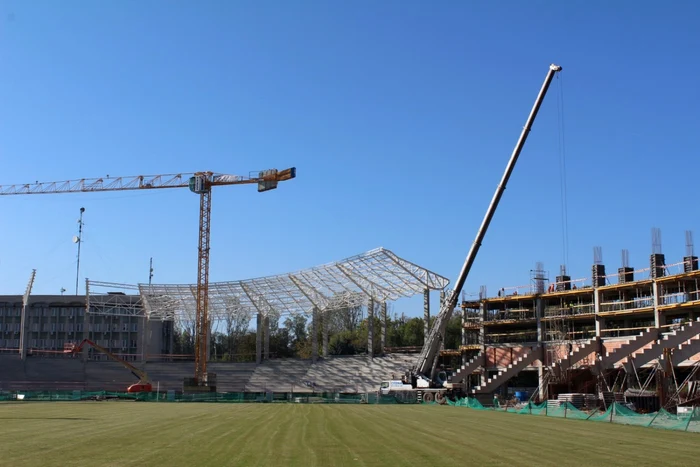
[377, 274]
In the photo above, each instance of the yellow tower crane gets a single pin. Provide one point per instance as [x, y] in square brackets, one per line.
[200, 183]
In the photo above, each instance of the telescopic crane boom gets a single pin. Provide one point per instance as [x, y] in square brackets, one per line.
[200, 183]
[425, 365]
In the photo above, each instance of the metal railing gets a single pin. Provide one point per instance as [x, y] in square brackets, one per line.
[626, 305]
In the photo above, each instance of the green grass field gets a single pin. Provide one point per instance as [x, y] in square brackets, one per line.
[198, 434]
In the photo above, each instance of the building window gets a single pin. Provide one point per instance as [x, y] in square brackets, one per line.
[135, 327]
[79, 327]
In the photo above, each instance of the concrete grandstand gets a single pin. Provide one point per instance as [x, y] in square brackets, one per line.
[135, 322]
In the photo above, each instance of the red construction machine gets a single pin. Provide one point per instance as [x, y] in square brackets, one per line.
[144, 384]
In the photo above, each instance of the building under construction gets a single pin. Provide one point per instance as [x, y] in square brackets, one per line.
[632, 334]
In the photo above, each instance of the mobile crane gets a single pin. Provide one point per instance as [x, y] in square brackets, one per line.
[144, 384]
[423, 376]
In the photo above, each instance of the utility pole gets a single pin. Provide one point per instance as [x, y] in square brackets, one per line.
[79, 240]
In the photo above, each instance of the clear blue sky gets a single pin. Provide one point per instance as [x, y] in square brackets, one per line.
[399, 116]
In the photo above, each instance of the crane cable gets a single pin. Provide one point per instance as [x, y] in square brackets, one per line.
[562, 171]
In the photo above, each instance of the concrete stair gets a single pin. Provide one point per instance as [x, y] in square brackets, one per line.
[669, 340]
[513, 369]
[576, 356]
[685, 350]
[231, 377]
[468, 368]
[351, 374]
[634, 344]
[337, 374]
[282, 375]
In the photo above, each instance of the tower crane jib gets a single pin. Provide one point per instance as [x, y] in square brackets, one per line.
[200, 183]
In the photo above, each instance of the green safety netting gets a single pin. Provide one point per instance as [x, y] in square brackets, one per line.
[688, 420]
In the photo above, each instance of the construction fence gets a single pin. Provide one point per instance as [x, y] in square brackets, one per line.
[230, 397]
[688, 418]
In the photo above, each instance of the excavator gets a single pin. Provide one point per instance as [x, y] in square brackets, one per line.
[144, 384]
[425, 376]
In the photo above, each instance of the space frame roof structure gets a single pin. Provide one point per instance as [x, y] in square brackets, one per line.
[378, 274]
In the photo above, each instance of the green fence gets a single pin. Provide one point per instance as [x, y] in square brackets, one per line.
[616, 413]
[230, 397]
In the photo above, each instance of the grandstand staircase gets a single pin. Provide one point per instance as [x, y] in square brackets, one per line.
[576, 356]
[685, 350]
[511, 370]
[634, 344]
[469, 367]
[672, 339]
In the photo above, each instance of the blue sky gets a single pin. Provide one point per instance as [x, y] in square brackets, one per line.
[399, 116]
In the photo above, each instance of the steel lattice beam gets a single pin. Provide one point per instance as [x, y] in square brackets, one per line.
[378, 274]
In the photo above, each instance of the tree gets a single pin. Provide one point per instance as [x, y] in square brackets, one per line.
[412, 332]
[296, 325]
[343, 343]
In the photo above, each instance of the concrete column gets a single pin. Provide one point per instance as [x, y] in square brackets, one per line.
[370, 328]
[426, 314]
[172, 338]
[541, 337]
[599, 320]
[86, 332]
[482, 318]
[659, 319]
[23, 332]
[464, 335]
[144, 330]
[266, 348]
[258, 338]
[314, 335]
[539, 313]
[383, 319]
[324, 323]
[543, 389]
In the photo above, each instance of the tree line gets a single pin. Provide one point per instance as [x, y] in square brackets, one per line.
[292, 336]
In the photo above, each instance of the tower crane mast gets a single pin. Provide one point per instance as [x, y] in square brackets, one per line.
[200, 183]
